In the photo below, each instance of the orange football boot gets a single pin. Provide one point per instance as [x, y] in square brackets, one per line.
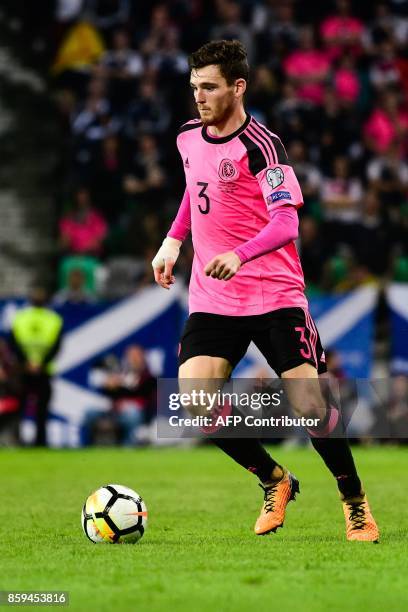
[277, 495]
[360, 523]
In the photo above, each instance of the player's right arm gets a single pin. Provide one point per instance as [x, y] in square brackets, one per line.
[166, 257]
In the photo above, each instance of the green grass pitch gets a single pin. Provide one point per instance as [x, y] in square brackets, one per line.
[199, 551]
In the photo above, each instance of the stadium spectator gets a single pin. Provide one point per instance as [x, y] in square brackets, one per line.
[308, 68]
[79, 50]
[334, 365]
[307, 174]
[93, 119]
[131, 387]
[68, 10]
[105, 177]
[82, 229]
[66, 13]
[388, 174]
[373, 246]
[107, 15]
[339, 126]
[36, 336]
[384, 71]
[387, 125]
[90, 267]
[76, 292]
[145, 277]
[385, 24]
[148, 112]
[121, 61]
[91, 122]
[231, 26]
[276, 29]
[392, 418]
[123, 66]
[141, 229]
[145, 176]
[342, 32]
[342, 273]
[169, 61]
[10, 395]
[160, 26]
[341, 196]
[346, 81]
[311, 253]
[262, 95]
[292, 114]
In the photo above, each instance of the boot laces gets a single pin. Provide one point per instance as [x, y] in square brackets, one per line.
[357, 514]
[269, 496]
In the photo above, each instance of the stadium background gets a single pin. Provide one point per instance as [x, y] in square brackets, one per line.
[81, 124]
[92, 96]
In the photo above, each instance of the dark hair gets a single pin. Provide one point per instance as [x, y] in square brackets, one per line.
[229, 55]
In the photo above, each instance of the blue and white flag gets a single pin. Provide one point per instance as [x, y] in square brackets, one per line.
[151, 318]
[397, 297]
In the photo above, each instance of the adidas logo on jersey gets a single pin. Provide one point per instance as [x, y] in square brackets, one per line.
[186, 164]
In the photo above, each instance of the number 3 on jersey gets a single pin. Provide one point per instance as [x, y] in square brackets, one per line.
[204, 209]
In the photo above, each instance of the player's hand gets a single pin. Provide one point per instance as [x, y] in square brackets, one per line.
[223, 266]
[164, 261]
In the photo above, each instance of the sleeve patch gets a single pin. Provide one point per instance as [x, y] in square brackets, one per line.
[277, 196]
[275, 177]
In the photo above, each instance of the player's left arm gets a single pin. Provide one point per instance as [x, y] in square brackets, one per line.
[282, 228]
[283, 197]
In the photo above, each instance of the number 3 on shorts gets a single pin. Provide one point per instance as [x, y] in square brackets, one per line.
[306, 353]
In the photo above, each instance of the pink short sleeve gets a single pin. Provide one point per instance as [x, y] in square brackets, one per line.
[279, 186]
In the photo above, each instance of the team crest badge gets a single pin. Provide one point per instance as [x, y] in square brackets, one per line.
[227, 171]
[275, 177]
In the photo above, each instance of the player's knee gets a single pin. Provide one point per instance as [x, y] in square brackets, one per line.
[201, 379]
[204, 367]
[195, 399]
[197, 409]
[310, 406]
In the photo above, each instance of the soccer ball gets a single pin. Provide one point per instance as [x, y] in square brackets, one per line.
[114, 514]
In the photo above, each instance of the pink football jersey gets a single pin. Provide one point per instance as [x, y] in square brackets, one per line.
[233, 184]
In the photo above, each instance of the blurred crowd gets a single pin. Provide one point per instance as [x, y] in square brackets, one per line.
[330, 78]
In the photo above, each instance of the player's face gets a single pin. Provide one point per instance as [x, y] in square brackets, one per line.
[215, 99]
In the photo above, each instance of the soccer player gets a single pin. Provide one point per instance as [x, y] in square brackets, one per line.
[247, 284]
